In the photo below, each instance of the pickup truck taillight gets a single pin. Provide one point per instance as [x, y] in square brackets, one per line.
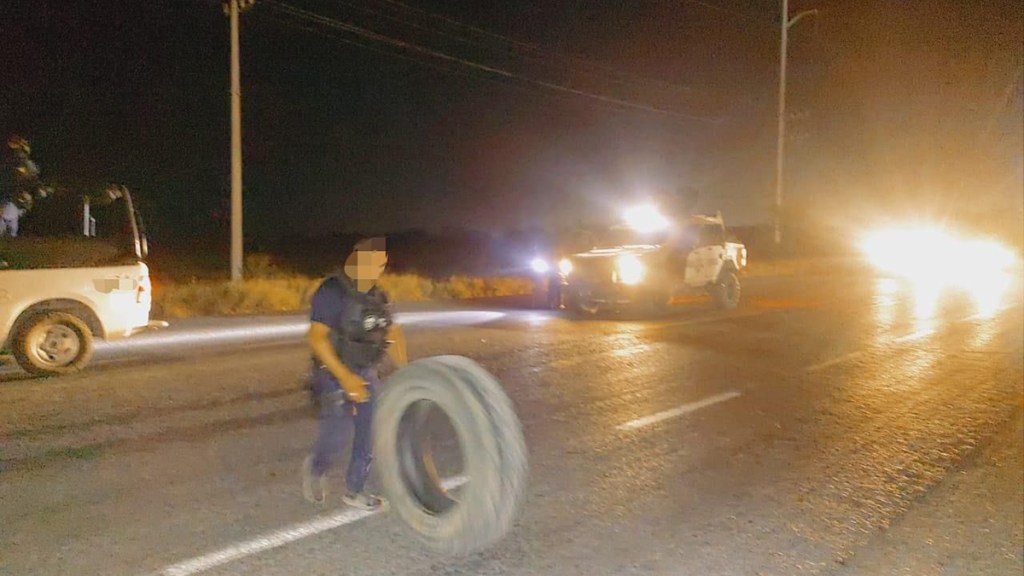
[144, 290]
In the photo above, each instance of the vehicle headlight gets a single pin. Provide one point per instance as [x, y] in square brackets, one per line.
[539, 265]
[646, 218]
[631, 270]
[565, 266]
[933, 259]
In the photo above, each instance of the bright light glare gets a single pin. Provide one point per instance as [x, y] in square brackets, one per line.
[934, 260]
[565, 266]
[631, 269]
[927, 294]
[646, 218]
[539, 265]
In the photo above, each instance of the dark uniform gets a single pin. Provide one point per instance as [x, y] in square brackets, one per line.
[359, 323]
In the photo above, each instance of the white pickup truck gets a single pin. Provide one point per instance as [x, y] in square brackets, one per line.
[60, 291]
[630, 265]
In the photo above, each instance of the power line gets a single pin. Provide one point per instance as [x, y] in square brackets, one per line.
[538, 50]
[447, 69]
[332, 23]
[442, 68]
[722, 9]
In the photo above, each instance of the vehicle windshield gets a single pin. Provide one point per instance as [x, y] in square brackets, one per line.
[622, 236]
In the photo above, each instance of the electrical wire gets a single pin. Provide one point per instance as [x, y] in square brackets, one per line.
[336, 24]
[528, 47]
[450, 70]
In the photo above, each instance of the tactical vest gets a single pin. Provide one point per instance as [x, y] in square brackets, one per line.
[361, 338]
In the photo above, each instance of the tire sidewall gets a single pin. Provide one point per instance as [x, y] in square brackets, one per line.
[728, 282]
[480, 453]
[28, 331]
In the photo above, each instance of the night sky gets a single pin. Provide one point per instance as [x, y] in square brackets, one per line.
[896, 107]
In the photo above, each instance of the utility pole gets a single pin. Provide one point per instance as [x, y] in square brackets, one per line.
[232, 8]
[786, 22]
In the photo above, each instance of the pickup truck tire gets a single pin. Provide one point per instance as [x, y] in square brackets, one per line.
[546, 297]
[657, 303]
[574, 306]
[726, 290]
[492, 447]
[53, 344]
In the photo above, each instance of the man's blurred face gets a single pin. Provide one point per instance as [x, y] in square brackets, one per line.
[366, 265]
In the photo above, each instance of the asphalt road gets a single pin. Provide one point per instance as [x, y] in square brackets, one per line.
[822, 428]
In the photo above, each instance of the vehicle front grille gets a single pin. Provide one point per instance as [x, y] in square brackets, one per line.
[592, 269]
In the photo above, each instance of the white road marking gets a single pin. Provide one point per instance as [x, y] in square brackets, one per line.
[924, 333]
[279, 538]
[834, 361]
[675, 412]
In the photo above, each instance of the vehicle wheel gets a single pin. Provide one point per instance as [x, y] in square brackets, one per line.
[53, 344]
[549, 299]
[658, 303]
[575, 307]
[491, 443]
[726, 292]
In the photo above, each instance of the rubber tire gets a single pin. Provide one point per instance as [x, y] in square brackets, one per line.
[656, 304]
[728, 281]
[571, 305]
[493, 451]
[576, 310]
[19, 345]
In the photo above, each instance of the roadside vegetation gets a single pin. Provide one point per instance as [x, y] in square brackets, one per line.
[194, 282]
[269, 289]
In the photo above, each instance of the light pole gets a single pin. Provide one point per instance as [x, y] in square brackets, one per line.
[232, 8]
[780, 146]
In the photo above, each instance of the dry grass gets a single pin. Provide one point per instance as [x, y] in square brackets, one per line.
[464, 287]
[268, 289]
[217, 298]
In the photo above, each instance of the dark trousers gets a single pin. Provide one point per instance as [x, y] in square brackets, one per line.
[335, 414]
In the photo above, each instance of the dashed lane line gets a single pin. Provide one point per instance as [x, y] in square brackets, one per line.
[679, 411]
[278, 538]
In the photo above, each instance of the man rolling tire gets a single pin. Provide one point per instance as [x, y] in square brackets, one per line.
[351, 330]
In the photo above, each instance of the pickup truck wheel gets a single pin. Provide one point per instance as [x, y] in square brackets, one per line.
[491, 443]
[726, 291]
[658, 303]
[53, 344]
[547, 298]
[575, 306]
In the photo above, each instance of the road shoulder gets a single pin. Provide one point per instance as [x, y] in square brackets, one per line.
[973, 523]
